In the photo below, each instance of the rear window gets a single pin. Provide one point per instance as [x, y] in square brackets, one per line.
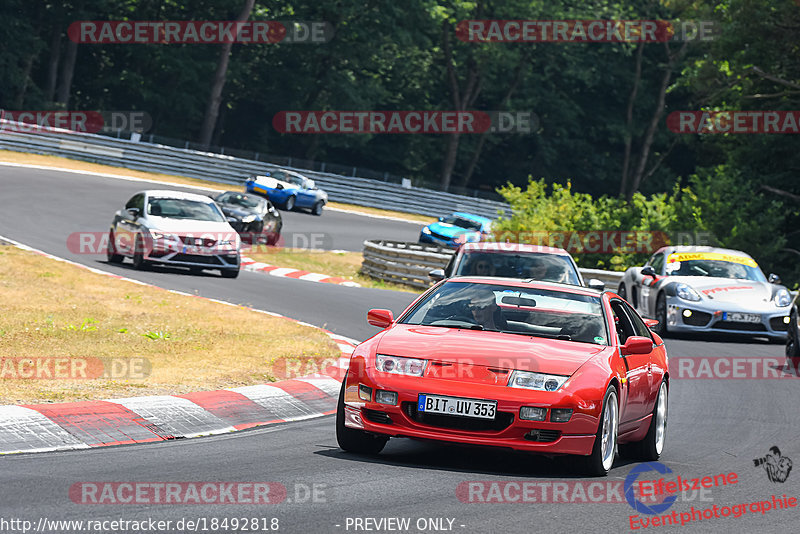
[538, 266]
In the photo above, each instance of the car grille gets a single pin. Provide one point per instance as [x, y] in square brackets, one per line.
[440, 236]
[501, 421]
[543, 435]
[735, 325]
[196, 241]
[698, 318]
[195, 258]
[377, 417]
[778, 325]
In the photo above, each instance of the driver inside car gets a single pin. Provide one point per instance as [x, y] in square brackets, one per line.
[486, 312]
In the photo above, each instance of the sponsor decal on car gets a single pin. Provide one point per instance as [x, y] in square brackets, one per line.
[715, 256]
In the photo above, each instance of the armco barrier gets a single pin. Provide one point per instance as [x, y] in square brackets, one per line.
[409, 264]
[230, 170]
[403, 263]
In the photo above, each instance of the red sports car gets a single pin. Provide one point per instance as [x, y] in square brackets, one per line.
[535, 366]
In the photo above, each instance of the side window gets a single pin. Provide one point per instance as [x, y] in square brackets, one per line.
[657, 263]
[622, 322]
[639, 328]
[136, 201]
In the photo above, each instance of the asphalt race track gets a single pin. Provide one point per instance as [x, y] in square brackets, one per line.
[715, 426]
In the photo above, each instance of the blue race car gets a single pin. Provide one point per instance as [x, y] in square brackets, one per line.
[455, 229]
[289, 190]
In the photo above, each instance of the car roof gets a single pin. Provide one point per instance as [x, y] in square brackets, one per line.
[526, 284]
[165, 193]
[476, 218]
[494, 246]
[692, 248]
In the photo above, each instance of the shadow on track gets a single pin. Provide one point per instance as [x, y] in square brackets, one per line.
[477, 460]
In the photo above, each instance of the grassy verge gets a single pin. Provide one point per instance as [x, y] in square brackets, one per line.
[65, 163]
[341, 264]
[56, 310]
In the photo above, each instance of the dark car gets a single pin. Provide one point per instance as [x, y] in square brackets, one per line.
[253, 217]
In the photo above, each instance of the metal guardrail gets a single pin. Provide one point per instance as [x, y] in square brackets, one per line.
[403, 263]
[409, 264]
[231, 170]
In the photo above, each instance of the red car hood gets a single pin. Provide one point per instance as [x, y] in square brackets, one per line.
[490, 349]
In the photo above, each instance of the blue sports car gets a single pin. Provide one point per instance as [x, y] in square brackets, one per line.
[289, 190]
[456, 229]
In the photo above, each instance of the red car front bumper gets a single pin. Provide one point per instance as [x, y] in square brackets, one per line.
[506, 430]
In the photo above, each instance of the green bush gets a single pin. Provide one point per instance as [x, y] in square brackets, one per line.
[716, 208]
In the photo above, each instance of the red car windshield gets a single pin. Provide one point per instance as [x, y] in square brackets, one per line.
[514, 310]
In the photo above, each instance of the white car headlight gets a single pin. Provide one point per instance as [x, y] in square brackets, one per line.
[399, 365]
[538, 381]
[686, 293]
[249, 219]
[162, 235]
[782, 298]
[426, 230]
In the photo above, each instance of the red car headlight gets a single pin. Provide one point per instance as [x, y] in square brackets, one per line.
[538, 381]
[399, 365]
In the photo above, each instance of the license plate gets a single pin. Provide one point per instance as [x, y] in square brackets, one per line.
[457, 406]
[741, 317]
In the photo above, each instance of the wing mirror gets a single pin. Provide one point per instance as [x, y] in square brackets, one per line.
[648, 270]
[380, 318]
[594, 283]
[651, 323]
[436, 275]
[134, 212]
[637, 345]
[774, 278]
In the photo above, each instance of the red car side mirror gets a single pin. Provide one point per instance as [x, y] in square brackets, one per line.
[651, 323]
[637, 345]
[380, 318]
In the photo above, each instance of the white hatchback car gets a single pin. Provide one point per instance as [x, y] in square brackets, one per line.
[174, 228]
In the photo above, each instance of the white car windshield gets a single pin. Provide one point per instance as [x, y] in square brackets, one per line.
[715, 269]
[513, 310]
[180, 208]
